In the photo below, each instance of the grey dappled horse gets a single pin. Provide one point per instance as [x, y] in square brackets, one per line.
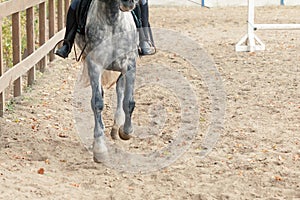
[110, 43]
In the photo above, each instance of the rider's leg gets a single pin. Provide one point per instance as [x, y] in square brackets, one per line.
[145, 21]
[141, 17]
[71, 28]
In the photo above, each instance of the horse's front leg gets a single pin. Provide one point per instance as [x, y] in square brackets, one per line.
[99, 147]
[128, 102]
[119, 117]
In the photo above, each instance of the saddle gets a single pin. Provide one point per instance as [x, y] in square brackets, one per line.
[82, 12]
[81, 15]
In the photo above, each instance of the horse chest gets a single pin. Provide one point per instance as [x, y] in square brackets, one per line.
[98, 33]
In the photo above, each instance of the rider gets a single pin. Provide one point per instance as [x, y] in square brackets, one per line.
[142, 22]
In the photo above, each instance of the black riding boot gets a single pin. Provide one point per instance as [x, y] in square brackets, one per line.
[71, 29]
[146, 44]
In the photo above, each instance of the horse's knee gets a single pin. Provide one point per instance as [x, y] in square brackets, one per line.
[97, 103]
[131, 67]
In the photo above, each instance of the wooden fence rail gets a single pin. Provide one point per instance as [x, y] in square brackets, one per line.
[35, 56]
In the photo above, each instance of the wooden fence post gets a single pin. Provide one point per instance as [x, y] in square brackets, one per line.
[16, 40]
[2, 100]
[51, 25]
[42, 33]
[60, 17]
[67, 5]
[30, 42]
[60, 12]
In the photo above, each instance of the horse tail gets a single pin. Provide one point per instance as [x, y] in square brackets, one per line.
[109, 78]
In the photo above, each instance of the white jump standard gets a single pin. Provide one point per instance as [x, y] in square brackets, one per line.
[250, 42]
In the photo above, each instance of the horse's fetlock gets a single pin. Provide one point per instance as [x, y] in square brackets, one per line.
[131, 106]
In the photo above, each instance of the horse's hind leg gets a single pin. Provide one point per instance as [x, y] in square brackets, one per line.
[128, 102]
[99, 147]
[119, 118]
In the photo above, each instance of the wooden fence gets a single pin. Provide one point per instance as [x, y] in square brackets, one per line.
[51, 17]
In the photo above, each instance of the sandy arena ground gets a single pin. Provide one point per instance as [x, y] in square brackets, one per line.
[256, 157]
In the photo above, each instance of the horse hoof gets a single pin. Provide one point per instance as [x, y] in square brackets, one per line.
[100, 151]
[123, 135]
[114, 133]
[100, 157]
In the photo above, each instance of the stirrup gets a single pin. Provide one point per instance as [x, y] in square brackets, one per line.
[60, 52]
